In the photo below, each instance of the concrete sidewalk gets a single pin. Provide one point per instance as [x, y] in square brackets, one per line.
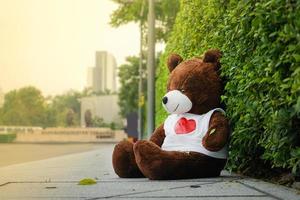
[57, 178]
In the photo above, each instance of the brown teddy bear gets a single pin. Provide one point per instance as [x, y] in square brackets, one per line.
[192, 142]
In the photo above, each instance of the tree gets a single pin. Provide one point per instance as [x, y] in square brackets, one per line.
[129, 79]
[87, 91]
[88, 119]
[60, 107]
[98, 122]
[131, 11]
[70, 118]
[25, 106]
[128, 97]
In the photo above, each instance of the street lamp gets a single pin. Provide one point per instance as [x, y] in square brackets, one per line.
[141, 95]
[151, 69]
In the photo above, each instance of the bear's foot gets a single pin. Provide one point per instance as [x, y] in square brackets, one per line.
[158, 164]
[123, 160]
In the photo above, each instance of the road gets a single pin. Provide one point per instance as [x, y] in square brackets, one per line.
[14, 153]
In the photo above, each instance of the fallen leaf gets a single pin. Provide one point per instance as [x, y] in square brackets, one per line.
[87, 181]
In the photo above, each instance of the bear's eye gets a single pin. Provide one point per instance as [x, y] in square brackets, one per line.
[182, 90]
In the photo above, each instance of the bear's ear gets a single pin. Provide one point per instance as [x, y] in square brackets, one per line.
[213, 56]
[173, 61]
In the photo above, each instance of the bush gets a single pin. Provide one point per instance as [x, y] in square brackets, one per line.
[7, 138]
[260, 41]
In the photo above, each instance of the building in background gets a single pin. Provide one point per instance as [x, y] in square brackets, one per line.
[103, 77]
[97, 85]
[104, 106]
[107, 64]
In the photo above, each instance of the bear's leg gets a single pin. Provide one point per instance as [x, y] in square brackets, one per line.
[158, 164]
[123, 160]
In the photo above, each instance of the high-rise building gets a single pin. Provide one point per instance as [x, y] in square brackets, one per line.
[94, 79]
[97, 80]
[102, 77]
[107, 66]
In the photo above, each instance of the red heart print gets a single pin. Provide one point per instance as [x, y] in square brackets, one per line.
[184, 126]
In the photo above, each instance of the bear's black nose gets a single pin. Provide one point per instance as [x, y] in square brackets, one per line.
[165, 100]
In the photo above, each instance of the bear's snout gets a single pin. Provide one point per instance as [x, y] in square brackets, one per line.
[175, 102]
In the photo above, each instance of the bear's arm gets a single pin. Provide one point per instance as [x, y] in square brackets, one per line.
[158, 136]
[218, 132]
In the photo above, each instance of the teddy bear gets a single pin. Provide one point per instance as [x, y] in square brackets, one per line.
[193, 140]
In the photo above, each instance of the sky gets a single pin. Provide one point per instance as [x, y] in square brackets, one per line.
[49, 44]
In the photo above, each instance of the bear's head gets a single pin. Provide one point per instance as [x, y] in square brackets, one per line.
[194, 85]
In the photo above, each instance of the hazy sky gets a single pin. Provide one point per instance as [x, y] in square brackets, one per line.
[50, 43]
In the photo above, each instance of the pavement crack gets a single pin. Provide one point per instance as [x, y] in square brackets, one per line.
[4, 184]
[261, 191]
[120, 195]
[201, 184]
[20, 182]
[197, 196]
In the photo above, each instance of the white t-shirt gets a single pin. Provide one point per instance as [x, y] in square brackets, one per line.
[184, 132]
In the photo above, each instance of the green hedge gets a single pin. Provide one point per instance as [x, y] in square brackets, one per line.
[7, 138]
[260, 41]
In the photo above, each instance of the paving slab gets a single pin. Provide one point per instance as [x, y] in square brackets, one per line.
[57, 178]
